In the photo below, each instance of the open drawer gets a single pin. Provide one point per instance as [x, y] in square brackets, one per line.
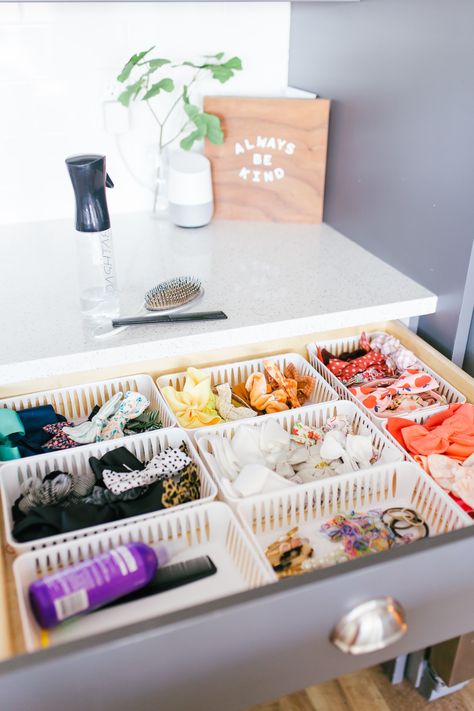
[257, 645]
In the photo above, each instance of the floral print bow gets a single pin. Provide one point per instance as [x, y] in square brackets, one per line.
[131, 407]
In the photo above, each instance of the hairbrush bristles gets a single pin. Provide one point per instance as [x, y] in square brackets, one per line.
[173, 294]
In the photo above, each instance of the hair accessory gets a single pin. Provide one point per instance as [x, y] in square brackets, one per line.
[168, 297]
[260, 399]
[176, 318]
[90, 431]
[225, 407]
[288, 553]
[57, 487]
[336, 556]
[163, 465]
[173, 294]
[10, 423]
[133, 405]
[59, 440]
[194, 406]
[405, 523]
[397, 356]
[388, 394]
[360, 533]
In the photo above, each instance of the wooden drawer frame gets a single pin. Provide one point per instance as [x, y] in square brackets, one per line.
[248, 648]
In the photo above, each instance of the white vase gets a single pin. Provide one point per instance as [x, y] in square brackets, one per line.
[160, 184]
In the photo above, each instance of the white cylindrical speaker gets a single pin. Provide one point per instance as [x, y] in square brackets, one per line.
[190, 189]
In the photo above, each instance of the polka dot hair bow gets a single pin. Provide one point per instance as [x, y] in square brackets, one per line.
[162, 466]
[346, 370]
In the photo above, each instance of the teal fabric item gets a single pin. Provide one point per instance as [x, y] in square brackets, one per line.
[10, 423]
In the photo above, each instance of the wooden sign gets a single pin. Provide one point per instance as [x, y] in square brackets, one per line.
[272, 164]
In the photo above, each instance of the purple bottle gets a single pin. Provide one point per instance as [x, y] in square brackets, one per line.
[91, 584]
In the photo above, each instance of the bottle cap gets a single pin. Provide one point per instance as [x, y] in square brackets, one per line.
[89, 180]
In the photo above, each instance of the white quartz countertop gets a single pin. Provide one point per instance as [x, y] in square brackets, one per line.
[272, 280]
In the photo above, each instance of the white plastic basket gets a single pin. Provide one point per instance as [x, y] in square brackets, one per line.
[403, 484]
[234, 373]
[350, 343]
[143, 446]
[210, 529]
[76, 402]
[313, 416]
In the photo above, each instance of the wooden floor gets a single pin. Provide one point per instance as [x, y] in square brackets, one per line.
[368, 690]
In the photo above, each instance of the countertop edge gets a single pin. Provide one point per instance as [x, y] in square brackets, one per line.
[197, 343]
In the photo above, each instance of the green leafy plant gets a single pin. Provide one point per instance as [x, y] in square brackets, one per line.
[146, 84]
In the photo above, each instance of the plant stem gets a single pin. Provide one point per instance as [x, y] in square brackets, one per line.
[175, 104]
[177, 135]
[160, 123]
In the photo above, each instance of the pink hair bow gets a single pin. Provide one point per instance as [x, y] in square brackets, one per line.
[381, 394]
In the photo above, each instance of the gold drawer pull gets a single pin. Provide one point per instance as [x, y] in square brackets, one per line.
[370, 626]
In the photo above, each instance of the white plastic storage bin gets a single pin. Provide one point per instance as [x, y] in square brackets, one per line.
[270, 516]
[143, 446]
[234, 373]
[313, 416]
[207, 530]
[76, 402]
[350, 343]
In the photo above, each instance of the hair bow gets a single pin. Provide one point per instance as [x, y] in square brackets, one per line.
[226, 409]
[397, 356]
[450, 432]
[195, 405]
[378, 397]
[22, 433]
[162, 466]
[90, 431]
[10, 423]
[132, 406]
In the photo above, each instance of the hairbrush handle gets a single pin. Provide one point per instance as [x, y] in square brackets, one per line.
[196, 316]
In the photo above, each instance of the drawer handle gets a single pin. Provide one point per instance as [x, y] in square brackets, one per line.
[370, 626]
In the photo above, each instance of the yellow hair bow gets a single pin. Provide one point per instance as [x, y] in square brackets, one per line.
[195, 405]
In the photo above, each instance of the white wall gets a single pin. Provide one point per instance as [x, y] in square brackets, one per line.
[58, 63]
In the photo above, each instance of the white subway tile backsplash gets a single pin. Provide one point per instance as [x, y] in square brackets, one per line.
[58, 65]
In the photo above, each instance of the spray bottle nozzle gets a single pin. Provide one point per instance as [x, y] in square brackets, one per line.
[89, 180]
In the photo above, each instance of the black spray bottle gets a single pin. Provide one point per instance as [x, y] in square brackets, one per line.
[96, 262]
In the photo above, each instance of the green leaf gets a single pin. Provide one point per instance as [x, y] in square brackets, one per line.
[225, 71]
[217, 56]
[197, 117]
[234, 63]
[131, 92]
[163, 85]
[214, 131]
[192, 111]
[187, 142]
[126, 71]
[206, 125]
[155, 64]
